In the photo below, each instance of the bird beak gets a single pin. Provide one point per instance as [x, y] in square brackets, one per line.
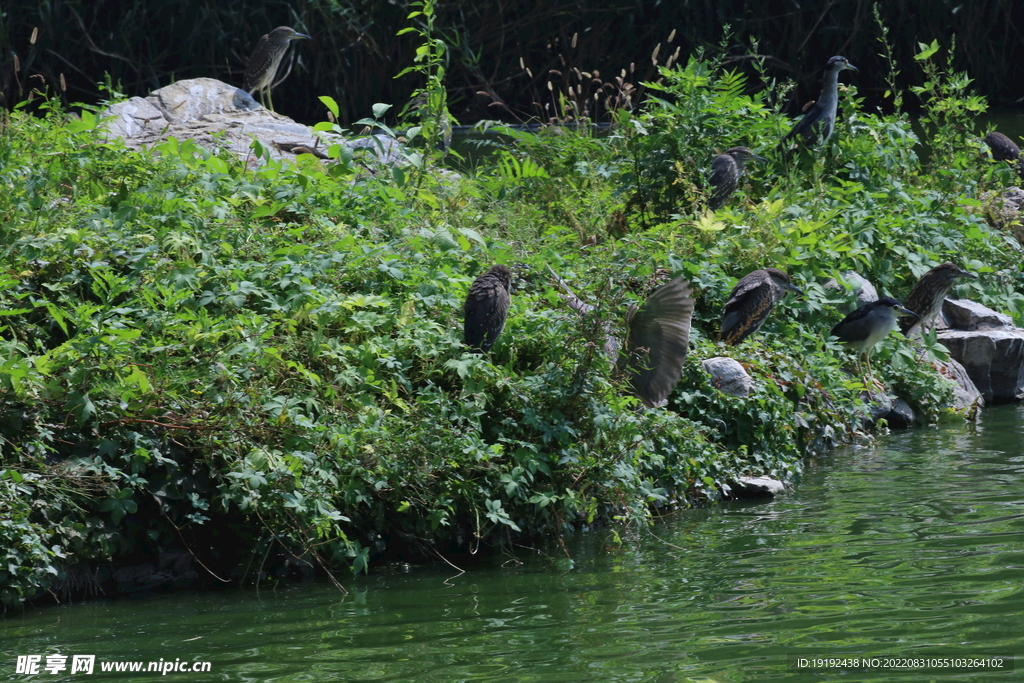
[299, 36]
[793, 288]
[904, 312]
[852, 68]
[754, 156]
[964, 273]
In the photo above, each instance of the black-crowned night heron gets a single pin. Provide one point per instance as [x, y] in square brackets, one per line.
[657, 341]
[870, 324]
[816, 126]
[486, 308]
[928, 294]
[726, 170]
[262, 68]
[750, 302]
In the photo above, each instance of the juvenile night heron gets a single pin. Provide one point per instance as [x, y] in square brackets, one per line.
[726, 170]
[657, 341]
[262, 68]
[928, 294]
[870, 324]
[486, 308]
[816, 126]
[750, 302]
[1003, 148]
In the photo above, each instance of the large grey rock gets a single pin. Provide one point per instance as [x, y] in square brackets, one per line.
[964, 314]
[219, 116]
[994, 359]
[965, 392]
[858, 285]
[728, 376]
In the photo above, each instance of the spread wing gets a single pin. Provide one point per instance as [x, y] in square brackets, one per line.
[658, 341]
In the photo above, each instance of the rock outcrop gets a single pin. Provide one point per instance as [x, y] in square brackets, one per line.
[219, 116]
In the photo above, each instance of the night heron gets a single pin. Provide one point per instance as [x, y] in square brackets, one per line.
[928, 294]
[870, 324]
[262, 67]
[657, 340]
[486, 308]
[726, 170]
[817, 124]
[1003, 148]
[750, 302]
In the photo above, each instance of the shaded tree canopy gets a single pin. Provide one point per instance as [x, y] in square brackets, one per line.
[507, 51]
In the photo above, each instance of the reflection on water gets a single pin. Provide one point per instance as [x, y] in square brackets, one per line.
[911, 548]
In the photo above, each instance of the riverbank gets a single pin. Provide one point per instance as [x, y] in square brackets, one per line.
[262, 369]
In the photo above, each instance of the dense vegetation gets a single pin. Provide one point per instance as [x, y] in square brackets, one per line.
[502, 54]
[246, 364]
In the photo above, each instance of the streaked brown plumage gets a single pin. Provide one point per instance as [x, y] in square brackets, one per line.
[1003, 148]
[486, 308]
[726, 170]
[657, 341]
[928, 294]
[750, 302]
[266, 58]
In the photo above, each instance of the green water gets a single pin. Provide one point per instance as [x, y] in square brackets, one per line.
[913, 547]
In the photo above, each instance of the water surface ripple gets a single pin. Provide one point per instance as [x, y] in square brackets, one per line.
[913, 547]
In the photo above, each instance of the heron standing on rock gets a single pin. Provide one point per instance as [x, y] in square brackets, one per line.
[870, 324]
[750, 302]
[266, 58]
[928, 294]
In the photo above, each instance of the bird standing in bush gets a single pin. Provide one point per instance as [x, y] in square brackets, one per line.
[816, 126]
[750, 302]
[486, 308]
[266, 58]
[726, 170]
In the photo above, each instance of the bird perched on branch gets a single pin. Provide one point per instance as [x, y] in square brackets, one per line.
[486, 308]
[657, 341]
[928, 294]
[870, 324]
[726, 170]
[750, 302]
[816, 126]
[266, 58]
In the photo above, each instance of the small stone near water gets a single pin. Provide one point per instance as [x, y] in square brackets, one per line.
[901, 415]
[728, 376]
[964, 390]
[756, 487]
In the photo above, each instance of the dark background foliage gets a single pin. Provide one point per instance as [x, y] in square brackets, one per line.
[146, 44]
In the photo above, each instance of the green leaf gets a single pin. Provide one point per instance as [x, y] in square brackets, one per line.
[380, 109]
[331, 105]
[926, 50]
